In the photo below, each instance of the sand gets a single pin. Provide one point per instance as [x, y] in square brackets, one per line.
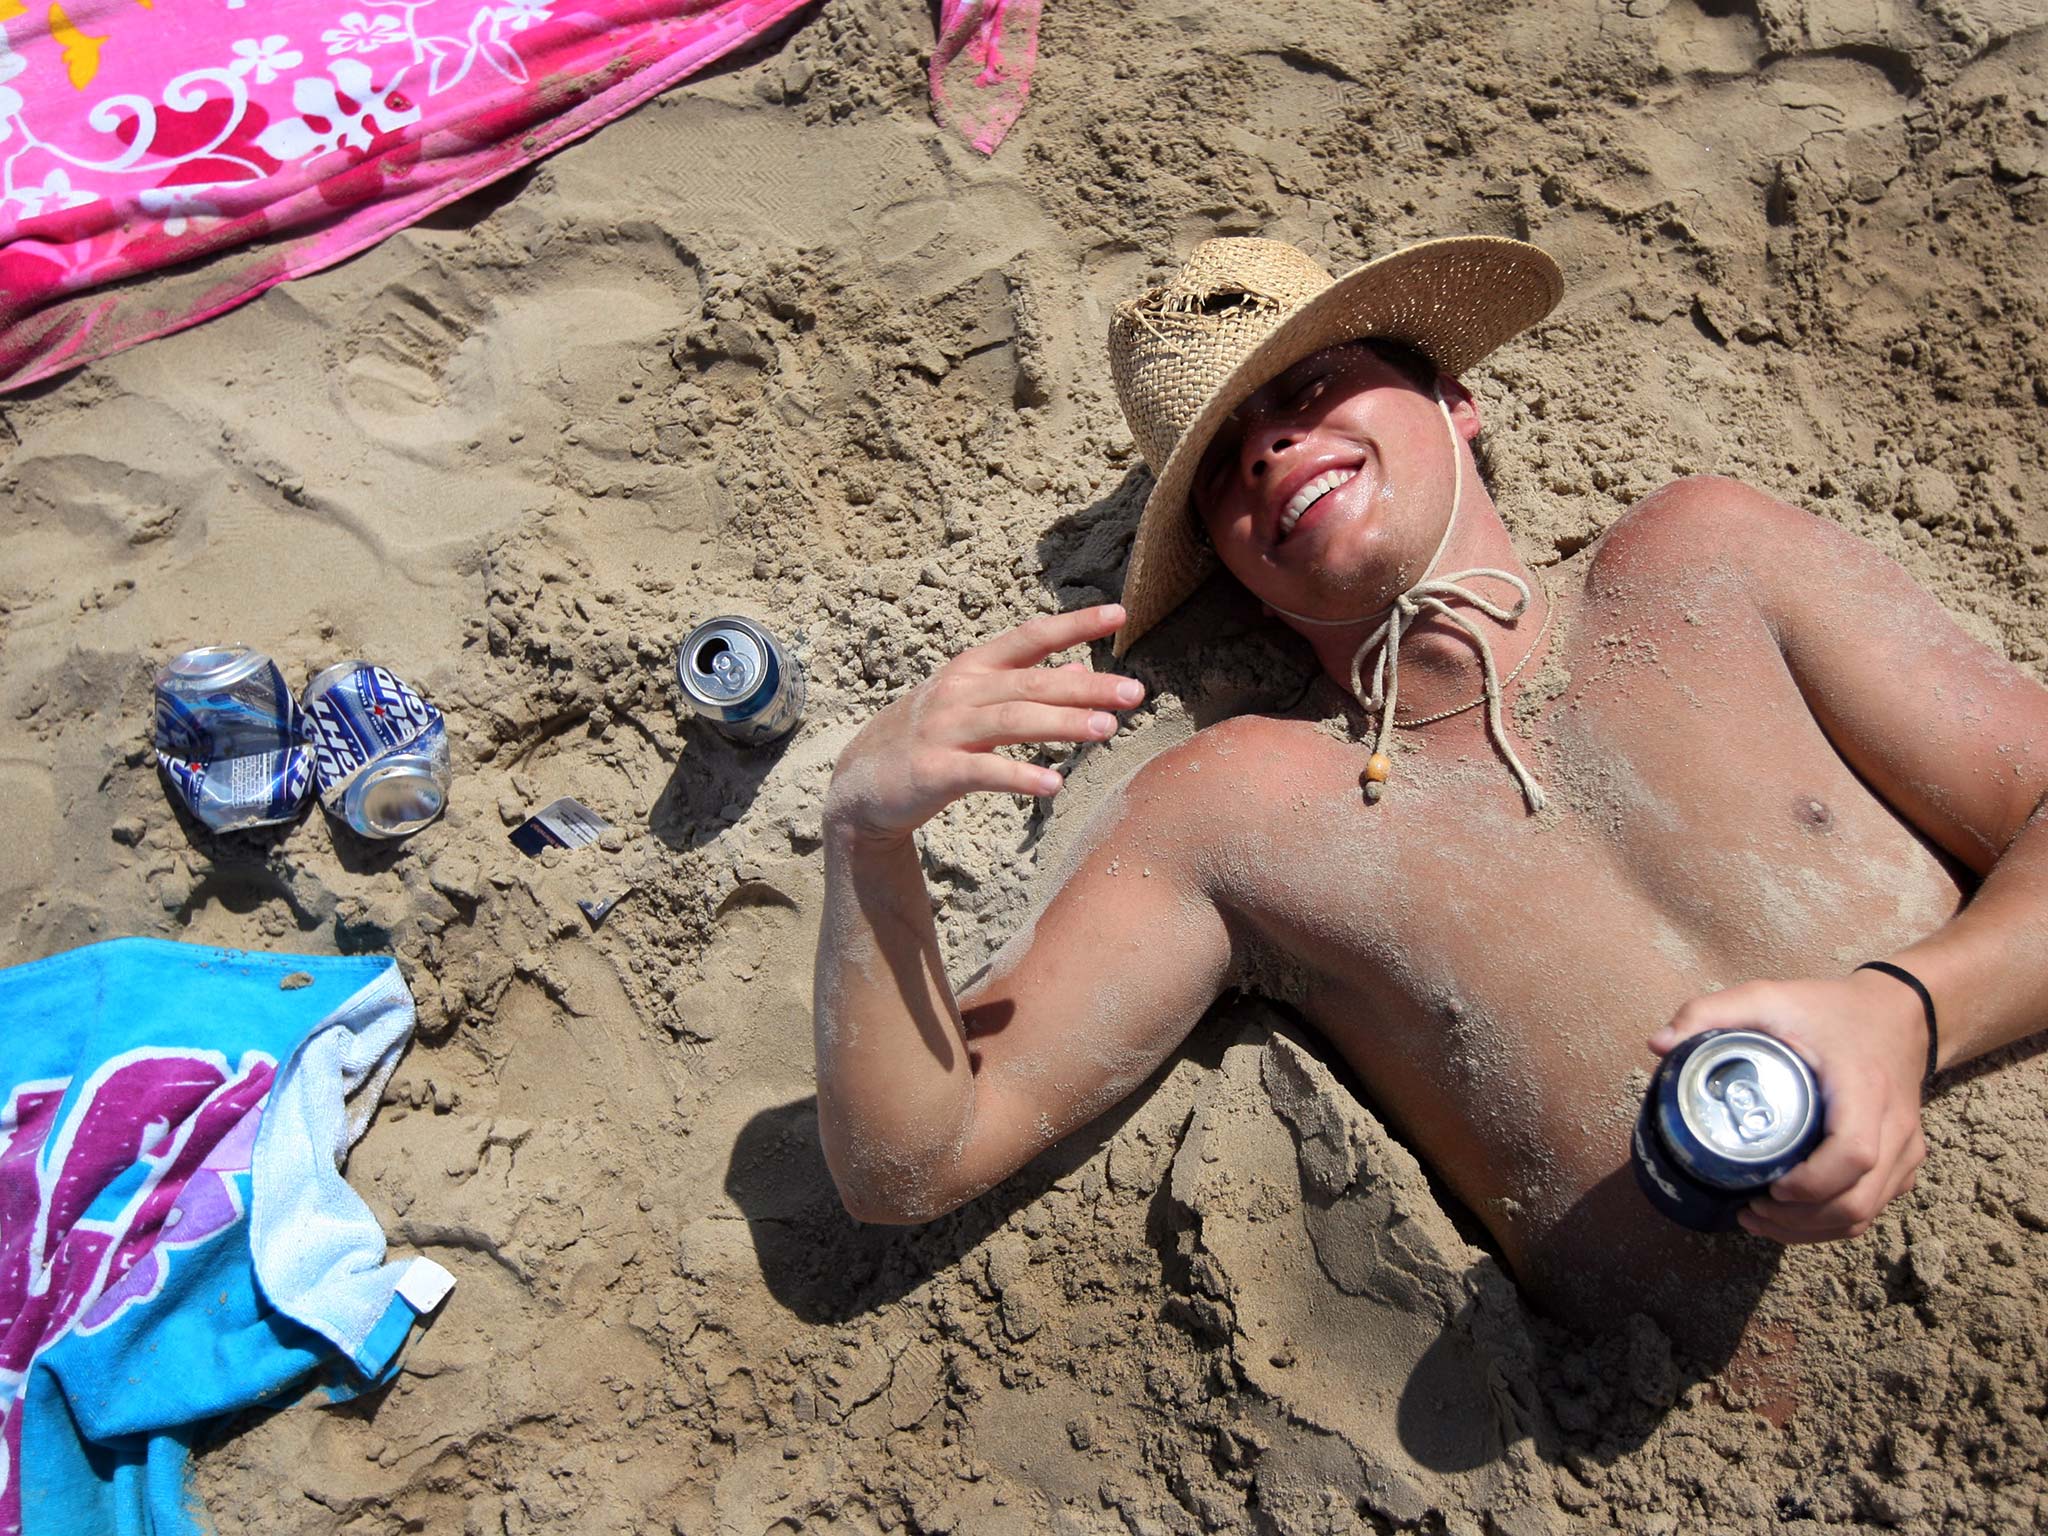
[776, 344]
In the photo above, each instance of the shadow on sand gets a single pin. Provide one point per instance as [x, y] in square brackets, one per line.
[712, 784]
[828, 1268]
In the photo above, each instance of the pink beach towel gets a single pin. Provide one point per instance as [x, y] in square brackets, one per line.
[226, 146]
[981, 70]
[139, 135]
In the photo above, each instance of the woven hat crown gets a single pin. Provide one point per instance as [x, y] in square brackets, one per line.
[1172, 347]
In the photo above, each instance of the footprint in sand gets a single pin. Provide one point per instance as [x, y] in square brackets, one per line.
[430, 364]
[406, 375]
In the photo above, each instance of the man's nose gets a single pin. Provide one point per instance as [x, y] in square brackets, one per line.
[1264, 447]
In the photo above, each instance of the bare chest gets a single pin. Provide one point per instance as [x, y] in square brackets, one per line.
[1492, 975]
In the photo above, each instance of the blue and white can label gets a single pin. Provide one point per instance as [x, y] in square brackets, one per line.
[1728, 1113]
[380, 750]
[226, 731]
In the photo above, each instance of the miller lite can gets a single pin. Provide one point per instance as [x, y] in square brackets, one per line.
[1728, 1113]
[380, 751]
[741, 678]
[226, 731]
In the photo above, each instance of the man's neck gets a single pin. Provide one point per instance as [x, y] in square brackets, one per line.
[1440, 667]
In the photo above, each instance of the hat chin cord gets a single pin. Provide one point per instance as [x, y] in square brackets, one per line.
[1435, 595]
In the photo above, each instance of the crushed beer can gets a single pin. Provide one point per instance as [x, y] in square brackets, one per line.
[227, 737]
[1728, 1113]
[741, 678]
[380, 751]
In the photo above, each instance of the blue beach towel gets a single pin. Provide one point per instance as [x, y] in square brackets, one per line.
[176, 1240]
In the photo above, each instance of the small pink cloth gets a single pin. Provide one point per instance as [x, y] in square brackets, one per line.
[981, 69]
[281, 137]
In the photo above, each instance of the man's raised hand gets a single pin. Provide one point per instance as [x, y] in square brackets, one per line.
[936, 743]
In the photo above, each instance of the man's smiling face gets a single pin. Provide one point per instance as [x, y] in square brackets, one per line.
[1328, 489]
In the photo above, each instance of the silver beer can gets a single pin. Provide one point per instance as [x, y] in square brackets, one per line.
[380, 751]
[741, 678]
[227, 738]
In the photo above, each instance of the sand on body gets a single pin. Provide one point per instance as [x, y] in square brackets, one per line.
[776, 345]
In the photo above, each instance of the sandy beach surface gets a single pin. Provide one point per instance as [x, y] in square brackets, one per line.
[775, 344]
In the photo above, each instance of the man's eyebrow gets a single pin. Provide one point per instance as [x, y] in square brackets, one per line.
[1301, 373]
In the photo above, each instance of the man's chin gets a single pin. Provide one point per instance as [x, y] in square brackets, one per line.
[1340, 585]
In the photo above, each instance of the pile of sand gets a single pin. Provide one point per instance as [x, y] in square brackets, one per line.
[776, 344]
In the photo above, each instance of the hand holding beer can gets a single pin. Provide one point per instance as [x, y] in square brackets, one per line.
[380, 751]
[227, 738]
[1728, 1113]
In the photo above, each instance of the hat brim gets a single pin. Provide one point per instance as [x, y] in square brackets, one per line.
[1455, 300]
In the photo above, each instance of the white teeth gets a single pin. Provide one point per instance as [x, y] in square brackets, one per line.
[1310, 494]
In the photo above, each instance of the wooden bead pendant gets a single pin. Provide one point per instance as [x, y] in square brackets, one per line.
[1377, 769]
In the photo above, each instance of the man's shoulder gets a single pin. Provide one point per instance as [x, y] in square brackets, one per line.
[1209, 774]
[1701, 518]
[1235, 741]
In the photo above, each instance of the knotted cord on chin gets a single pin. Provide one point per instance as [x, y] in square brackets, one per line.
[1431, 596]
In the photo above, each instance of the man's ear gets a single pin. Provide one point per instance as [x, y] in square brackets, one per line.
[1462, 405]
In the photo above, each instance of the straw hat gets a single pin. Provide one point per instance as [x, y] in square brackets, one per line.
[1242, 312]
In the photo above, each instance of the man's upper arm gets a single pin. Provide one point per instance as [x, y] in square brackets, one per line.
[1950, 733]
[1080, 1006]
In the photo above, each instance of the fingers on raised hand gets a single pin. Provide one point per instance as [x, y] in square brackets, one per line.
[1035, 639]
[997, 695]
[993, 771]
[1008, 706]
[946, 775]
[1017, 720]
[1076, 686]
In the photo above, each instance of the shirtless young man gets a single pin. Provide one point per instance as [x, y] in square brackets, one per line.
[1775, 758]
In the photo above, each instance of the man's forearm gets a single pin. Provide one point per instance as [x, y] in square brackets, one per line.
[895, 1090]
[1987, 968]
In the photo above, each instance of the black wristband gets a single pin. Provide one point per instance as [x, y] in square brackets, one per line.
[1900, 973]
